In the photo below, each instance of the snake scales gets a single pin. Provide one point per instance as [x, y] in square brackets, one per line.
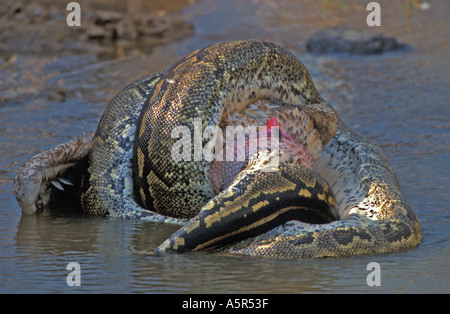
[349, 203]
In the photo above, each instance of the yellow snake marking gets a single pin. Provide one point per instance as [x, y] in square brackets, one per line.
[305, 193]
[193, 227]
[142, 193]
[259, 205]
[178, 242]
[321, 196]
[140, 160]
[242, 201]
[249, 227]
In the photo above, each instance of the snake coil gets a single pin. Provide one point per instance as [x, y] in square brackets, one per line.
[350, 203]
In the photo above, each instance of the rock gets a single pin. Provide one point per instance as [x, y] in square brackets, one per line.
[96, 32]
[103, 17]
[347, 40]
[111, 26]
[126, 29]
[30, 27]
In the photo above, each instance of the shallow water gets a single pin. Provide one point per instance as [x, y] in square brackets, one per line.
[398, 100]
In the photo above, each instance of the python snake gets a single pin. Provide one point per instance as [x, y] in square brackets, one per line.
[349, 203]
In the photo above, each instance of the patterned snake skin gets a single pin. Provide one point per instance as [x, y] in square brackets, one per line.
[350, 203]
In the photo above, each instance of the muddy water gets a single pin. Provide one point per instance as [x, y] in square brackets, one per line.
[399, 100]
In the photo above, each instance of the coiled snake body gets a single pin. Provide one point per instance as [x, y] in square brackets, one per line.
[339, 198]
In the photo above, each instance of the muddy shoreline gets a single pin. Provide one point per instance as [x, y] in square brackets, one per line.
[35, 36]
[37, 45]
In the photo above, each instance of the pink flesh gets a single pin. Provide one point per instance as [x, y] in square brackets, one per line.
[222, 173]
